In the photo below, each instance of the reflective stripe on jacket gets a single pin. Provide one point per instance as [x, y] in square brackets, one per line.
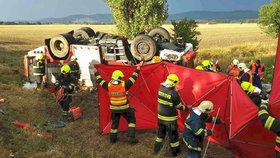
[117, 94]
[168, 103]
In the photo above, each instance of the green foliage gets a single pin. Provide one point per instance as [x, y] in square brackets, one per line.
[135, 16]
[269, 17]
[187, 30]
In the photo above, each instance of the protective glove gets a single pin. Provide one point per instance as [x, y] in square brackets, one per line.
[209, 133]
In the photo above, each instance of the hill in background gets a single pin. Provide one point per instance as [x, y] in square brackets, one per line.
[196, 15]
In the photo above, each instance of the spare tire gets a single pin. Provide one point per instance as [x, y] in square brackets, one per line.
[160, 34]
[143, 47]
[84, 33]
[60, 45]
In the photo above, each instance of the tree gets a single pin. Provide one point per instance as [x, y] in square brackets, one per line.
[135, 16]
[269, 17]
[187, 30]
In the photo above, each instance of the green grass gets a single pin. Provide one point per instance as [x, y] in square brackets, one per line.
[82, 138]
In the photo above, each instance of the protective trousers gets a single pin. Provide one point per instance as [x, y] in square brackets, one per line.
[65, 103]
[129, 115]
[193, 154]
[171, 130]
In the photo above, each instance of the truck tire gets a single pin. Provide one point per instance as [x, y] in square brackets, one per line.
[160, 34]
[60, 45]
[84, 33]
[143, 47]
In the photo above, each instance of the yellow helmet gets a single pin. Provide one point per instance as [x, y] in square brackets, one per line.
[199, 67]
[242, 66]
[206, 106]
[65, 69]
[117, 75]
[41, 57]
[172, 79]
[156, 59]
[206, 63]
[247, 86]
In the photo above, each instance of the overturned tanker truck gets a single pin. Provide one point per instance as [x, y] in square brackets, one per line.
[92, 47]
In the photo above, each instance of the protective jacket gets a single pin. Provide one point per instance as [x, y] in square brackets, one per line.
[75, 69]
[245, 76]
[117, 91]
[270, 123]
[39, 68]
[257, 69]
[66, 81]
[195, 131]
[168, 102]
[233, 70]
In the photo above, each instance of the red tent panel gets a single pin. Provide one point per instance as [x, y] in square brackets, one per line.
[274, 100]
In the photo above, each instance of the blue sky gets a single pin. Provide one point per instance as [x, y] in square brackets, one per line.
[37, 9]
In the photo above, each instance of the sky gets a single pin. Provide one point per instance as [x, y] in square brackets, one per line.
[37, 9]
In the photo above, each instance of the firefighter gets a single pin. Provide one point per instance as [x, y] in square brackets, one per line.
[233, 69]
[67, 81]
[270, 123]
[195, 125]
[253, 92]
[168, 103]
[39, 69]
[119, 106]
[245, 74]
[75, 69]
[205, 65]
[257, 70]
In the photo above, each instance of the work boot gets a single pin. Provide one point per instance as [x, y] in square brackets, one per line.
[175, 151]
[113, 138]
[157, 147]
[132, 140]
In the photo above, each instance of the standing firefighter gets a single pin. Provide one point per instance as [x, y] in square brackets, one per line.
[195, 125]
[119, 106]
[233, 69]
[270, 123]
[257, 70]
[168, 103]
[39, 69]
[65, 83]
[75, 69]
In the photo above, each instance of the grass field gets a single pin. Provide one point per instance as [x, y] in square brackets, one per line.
[221, 42]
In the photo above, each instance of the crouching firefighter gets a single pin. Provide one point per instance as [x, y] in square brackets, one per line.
[195, 125]
[168, 103]
[119, 106]
[270, 123]
[65, 83]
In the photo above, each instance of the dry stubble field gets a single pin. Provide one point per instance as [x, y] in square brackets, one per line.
[81, 138]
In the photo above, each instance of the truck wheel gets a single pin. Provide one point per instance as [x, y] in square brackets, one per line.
[60, 45]
[143, 47]
[84, 33]
[160, 34]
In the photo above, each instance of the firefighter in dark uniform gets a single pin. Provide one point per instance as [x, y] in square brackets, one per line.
[67, 81]
[119, 106]
[195, 131]
[270, 123]
[168, 103]
[253, 92]
[75, 69]
[245, 74]
[39, 69]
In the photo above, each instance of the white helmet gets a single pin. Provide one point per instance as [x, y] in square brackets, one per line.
[206, 106]
[235, 62]
[73, 58]
[242, 66]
